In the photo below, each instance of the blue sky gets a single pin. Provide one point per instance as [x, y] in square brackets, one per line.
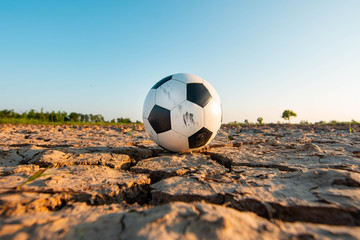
[261, 56]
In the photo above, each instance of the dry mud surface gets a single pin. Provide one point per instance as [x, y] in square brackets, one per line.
[111, 182]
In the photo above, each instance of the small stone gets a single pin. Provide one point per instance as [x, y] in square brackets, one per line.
[310, 147]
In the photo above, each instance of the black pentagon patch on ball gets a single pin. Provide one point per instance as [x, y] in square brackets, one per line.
[197, 93]
[159, 119]
[200, 138]
[161, 82]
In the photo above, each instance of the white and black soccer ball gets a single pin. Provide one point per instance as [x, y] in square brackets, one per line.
[182, 112]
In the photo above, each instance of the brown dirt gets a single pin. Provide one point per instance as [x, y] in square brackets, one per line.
[268, 182]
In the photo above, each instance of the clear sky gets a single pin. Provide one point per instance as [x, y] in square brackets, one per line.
[262, 57]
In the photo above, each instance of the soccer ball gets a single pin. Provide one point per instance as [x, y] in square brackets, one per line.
[182, 112]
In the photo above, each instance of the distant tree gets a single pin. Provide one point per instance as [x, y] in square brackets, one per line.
[16, 115]
[74, 117]
[91, 117]
[52, 117]
[95, 118]
[101, 117]
[123, 120]
[37, 115]
[64, 116]
[5, 113]
[98, 118]
[246, 121]
[82, 118]
[86, 118]
[31, 114]
[260, 120]
[287, 114]
[42, 115]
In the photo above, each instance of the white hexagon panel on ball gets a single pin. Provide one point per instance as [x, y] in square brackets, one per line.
[170, 94]
[187, 78]
[173, 141]
[213, 117]
[186, 118]
[149, 103]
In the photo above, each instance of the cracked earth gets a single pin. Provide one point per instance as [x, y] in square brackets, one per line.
[252, 182]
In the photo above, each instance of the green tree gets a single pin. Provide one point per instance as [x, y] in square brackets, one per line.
[86, 118]
[74, 117]
[123, 120]
[63, 116]
[31, 114]
[98, 118]
[260, 120]
[6, 113]
[82, 117]
[91, 117]
[42, 115]
[246, 121]
[287, 114]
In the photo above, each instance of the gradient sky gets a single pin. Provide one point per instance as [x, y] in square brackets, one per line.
[261, 56]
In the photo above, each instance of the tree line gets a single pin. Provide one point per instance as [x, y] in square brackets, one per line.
[288, 114]
[59, 117]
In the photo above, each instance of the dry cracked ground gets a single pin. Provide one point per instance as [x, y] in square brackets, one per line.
[113, 182]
